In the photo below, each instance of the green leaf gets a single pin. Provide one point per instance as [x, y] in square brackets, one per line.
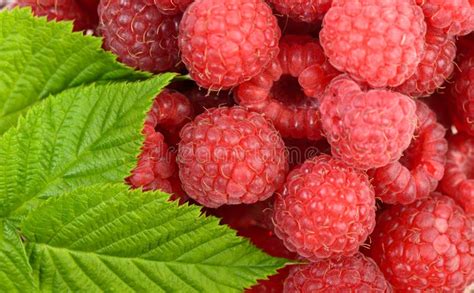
[40, 58]
[83, 136]
[16, 274]
[108, 238]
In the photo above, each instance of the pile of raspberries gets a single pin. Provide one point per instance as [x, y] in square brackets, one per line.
[375, 98]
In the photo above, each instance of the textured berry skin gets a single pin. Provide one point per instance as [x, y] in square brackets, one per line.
[203, 99]
[463, 92]
[59, 10]
[356, 273]
[326, 209]
[450, 16]
[282, 92]
[427, 246]
[458, 180]
[170, 110]
[230, 45]
[302, 10]
[139, 34]
[231, 156]
[366, 129]
[435, 68]
[378, 42]
[172, 7]
[420, 169]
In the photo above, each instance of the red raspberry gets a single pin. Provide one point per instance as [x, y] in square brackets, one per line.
[326, 209]
[450, 16]
[171, 110]
[427, 246]
[463, 92]
[420, 169]
[59, 10]
[231, 156]
[230, 45]
[379, 42]
[203, 99]
[458, 180]
[276, 94]
[172, 7]
[302, 10]
[356, 273]
[436, 66]
[139, 34]
[366, 129]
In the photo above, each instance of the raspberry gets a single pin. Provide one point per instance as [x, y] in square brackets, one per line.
[290, 26]
[436, 66]
[427, 246]
[171, 110]
[326, 209]
[139, 34]
[231, 45]
[378, 42]
[172, 7]
[366, 129]
[356, 273]
[203, 99]
[90, 8]
[276, 94]
[458, 180]
[463, 92]
[420, 169]
[231, 156]
[59, 10]
[302, 10]
[450, 16]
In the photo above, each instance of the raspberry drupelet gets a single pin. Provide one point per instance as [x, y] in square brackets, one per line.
[450, 16]
[427, 246]
[140, 35]
[366, 128]
[229, 46]
[378, 42]
[286, 92]
[302, 10]
[231, 156]
[325, 209]
[420, 169]
[463, 93]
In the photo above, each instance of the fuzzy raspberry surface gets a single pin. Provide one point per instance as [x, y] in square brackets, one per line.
[171, 110]
[231, 156]
[356, 273]
[463, 93]
[202, 99]
[325, 209]
[436, 66]
[172, 7]
[366, 129]
[302, 10]
[450, 16]
[427, 246]
[417, 173]
[458, 180]
[231, 45]
[378, 42]
[139, 34]
[286, 91]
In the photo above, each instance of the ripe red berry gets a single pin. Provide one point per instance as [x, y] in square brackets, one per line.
[139, 34]
[172, 7]
[326, 209]
[463, 93]
[378, 42]
[230, 45]
[171, 110]
[458, 180]
[231, 156]
[420, 168]
[302, 10]
[356, 273]
[427, 246]
[286, 91]
[366, 129]
[203, 99]
[450, 16]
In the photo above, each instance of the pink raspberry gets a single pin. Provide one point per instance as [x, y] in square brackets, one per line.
[463, 93]
[139, 34]
[285, 91]
[420, 169]
[435, 68]
[366, 129]
[427, 246]
[172, 7]
[378, 42]
[450, 16]
[302, 10]
[458, 180]
[356, 273]
[231, 45]
[326, 209]
[231, 156]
